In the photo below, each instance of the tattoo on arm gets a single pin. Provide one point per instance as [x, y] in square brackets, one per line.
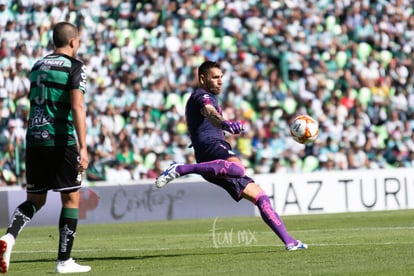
[212, 115]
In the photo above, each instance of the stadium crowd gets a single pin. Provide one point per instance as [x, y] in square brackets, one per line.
[347, 63]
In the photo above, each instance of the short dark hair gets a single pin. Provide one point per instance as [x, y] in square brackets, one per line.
[63, 32]
[206, 66]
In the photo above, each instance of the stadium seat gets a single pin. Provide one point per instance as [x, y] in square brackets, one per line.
[382, 133]
[153, 34]
[385, 57]
[115, 55]
[208, 35]
[341, 59]
[363, 51]
[392, 91]
[228, 43]
[213, 9]
[337, 30]
[354, 93]
[184, 98]
[44, 39]
[289, 105]
[138, 36]
[364, 96]
[277, 114]
[173, 99]
[310, 163]
[122, 35]
[330, 84]
[325, 56]
[149, 160]
[190, 26]
[330, 22]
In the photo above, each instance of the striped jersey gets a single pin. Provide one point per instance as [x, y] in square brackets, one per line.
[50, 118]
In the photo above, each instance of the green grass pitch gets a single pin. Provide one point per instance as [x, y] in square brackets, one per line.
[369, 243]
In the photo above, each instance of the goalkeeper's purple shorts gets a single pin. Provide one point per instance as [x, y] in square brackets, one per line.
[222, 150]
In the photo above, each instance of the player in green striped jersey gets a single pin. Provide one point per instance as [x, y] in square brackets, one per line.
[56, 154]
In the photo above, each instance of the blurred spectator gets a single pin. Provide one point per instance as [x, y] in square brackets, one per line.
[155, 171]
[347, 63]
[137, 168]
[118, 173]
[96, 169]
[277, 166]
[10, 165]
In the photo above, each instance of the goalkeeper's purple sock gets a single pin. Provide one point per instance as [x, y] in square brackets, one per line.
[217, 167]
[272, 219]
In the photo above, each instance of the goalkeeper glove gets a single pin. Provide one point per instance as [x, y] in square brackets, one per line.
[232, 127]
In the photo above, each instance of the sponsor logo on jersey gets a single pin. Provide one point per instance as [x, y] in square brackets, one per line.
[44, 68]
[206, 99]
[44, 134]
[53, 62]
[39, 119]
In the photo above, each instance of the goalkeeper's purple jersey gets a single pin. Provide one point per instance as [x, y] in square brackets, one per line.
[201, 131]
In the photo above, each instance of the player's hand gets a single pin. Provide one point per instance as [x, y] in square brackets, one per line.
[232, 127]
[83, 160]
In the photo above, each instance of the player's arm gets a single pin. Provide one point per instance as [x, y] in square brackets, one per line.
[79, 121]
[218, 121]
[77, 84]
[212, 115]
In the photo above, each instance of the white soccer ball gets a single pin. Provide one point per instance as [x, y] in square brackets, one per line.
[304, 129]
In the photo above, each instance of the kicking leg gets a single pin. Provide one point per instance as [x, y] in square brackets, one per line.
[217, 168]
[256, 195]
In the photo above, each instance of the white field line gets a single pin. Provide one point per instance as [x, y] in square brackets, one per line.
[235, 244]
[269, 232]
[210, 247]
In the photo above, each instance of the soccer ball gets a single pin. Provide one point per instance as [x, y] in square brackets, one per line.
[304, 129]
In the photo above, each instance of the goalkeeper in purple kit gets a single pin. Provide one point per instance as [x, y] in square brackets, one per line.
[216, 162]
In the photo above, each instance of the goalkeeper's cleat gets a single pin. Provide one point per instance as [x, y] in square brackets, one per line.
[6, 245]
[70, 266]
[299, 245]
[168, 175]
